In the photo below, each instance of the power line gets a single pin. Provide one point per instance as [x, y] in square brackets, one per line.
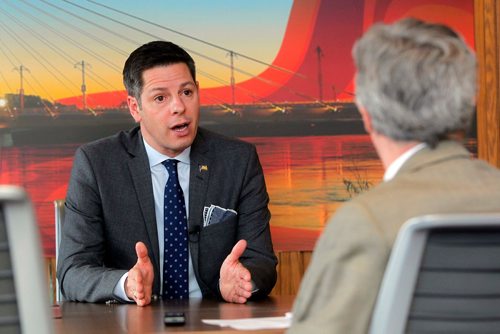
[45, 106]
[88, 21]
[6, 82]
[193, 38]
[160, 38]
[41, 87]
[72, 26]
[13, 65]
[95, 77]
[6, 55]
[133, 28]
[38, 56]
[21, 70]
[240, 88]
[75, 43]
[120, 33]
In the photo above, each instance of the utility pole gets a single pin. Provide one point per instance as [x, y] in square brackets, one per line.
[84, 87]
[320, 74]
[21, 86]
[233, 98]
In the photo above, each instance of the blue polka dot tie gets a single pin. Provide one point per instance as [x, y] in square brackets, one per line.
[175, 265]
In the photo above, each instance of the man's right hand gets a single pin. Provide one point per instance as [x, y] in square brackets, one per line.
[139, 283]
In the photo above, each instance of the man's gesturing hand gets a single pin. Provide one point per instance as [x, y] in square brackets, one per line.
[139, 283]
[235, 280]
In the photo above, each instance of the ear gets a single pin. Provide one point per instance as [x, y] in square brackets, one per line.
[134, 109]
[367, 119]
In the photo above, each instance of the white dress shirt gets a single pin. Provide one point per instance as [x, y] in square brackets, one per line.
[159, 177]
[396, 165]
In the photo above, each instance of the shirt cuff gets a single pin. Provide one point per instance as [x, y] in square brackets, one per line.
[254, 287]
[119, 290]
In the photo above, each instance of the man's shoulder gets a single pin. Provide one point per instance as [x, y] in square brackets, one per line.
[117, 142]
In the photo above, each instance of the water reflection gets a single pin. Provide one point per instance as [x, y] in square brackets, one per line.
[307, 179]
[307, 176]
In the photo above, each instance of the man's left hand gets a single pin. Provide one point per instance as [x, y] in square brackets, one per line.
[235, 280]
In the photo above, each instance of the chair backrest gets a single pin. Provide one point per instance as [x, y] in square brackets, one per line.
[59, 220]
[24, 302]
[443, 275]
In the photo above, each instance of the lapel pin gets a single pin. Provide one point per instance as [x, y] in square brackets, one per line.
[203, 168]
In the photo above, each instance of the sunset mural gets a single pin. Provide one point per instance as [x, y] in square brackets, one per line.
[288, 56]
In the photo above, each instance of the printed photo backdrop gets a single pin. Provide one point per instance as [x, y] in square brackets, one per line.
[278, 74]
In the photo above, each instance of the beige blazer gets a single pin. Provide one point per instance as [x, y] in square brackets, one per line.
[340, 287]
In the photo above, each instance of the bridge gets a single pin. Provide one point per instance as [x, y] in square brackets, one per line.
[302, 71]
[304, 91]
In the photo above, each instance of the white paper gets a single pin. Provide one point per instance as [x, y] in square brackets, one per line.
[252, 323]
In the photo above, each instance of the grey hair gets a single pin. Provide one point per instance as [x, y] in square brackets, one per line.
[417, 80]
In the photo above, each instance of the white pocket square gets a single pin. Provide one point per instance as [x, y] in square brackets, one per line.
[215, 214]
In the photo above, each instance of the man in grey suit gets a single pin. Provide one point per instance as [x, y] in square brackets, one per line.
[415, 89]
[114, 242]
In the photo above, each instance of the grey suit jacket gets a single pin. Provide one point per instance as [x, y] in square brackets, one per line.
[340, 287]
[110, 206]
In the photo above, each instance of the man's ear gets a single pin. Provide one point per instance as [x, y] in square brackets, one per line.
[367, 119]
[134, 109]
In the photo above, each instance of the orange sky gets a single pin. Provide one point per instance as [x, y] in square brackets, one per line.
[49, 40]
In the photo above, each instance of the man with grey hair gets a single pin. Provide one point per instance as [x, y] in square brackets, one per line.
[415, 89]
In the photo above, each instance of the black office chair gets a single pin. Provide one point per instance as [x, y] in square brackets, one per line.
[443, 276]
[24, 302]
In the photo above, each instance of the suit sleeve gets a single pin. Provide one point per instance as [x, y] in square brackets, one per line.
[80, 269]
[339, 289]
[254, 216]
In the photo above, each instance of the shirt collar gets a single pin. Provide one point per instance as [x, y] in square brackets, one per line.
[396, 165]
[156, 157]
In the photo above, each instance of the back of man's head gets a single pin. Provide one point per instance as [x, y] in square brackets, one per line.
[416, 80]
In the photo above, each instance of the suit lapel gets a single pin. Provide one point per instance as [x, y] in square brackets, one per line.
[199, 175]
[141, 177]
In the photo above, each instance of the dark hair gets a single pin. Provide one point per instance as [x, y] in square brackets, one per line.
[152, 54]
